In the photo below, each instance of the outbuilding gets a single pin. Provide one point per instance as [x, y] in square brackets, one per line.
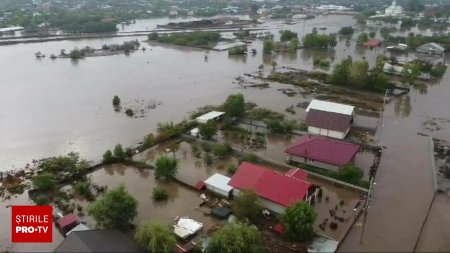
[431, 48]
[329, 119]
[212, 115]
[322, 152]
[67, 223]
[218, 184]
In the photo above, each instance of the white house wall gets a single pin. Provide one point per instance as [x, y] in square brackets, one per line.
[318, 164]
[327, 133]
[217, 190]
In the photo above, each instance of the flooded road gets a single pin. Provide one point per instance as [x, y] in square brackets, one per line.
[404, 182]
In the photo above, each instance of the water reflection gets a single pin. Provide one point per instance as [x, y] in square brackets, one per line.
[402, 106]
[267, 59]
[238, 58]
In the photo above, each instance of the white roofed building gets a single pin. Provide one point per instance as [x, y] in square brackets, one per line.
[212, 115]
[218, 184]
[330, 107]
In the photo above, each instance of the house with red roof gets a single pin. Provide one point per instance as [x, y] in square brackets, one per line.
[276, 191]
[372, 43]
[322, 152]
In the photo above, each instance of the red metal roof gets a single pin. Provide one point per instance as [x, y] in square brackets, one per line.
[67, 221]
[269, 184]
[200, 185]
[328, 120]
[324, 150]
[372, 43]
[297, 173]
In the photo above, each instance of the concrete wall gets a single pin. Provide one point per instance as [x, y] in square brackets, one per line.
[326, 132]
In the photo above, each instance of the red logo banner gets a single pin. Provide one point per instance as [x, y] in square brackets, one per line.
[31, 224]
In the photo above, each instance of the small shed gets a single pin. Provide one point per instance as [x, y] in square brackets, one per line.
[186, 227]
[200, 186]
[221, 212]
[218, 184]
[67, 222]
[212, 115]
[195, 132]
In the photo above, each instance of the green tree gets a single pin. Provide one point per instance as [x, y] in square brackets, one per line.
[235, 106]
[341, 73]
[268, 46]
[372, 34]
[362, 38]
[261, 67]
[236, 237]
[274, 65]
[410, 74]
[76, 54]
[119, 153]
[43, 182]
[155, 238]
[287, 35]
[220, 150]
[359, 73]
[166, 168]
[298, 220]
[293, 45]
[108, 157]
[159, 194]
[207, 130]
[116, 210]
[149, 140]
[351, 174]
[245, 206]
[116, 101]
[346, 30]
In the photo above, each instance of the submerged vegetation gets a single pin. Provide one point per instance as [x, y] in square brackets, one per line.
[193, 39]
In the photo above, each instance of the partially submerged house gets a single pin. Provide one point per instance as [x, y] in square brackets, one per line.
[186, 227]
[329, 119]
[322, 152]
[431, 48]
[101, 240]
[372, 43]
[212, 115]
[218, 184]
[276, 191]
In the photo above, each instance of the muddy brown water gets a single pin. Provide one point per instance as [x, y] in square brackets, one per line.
[53, 107]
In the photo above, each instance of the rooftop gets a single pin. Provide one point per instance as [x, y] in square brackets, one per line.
[269, 184]
[103, 240]
[328, 120]
[219, 181]
[209, 116]
[330, 107]
[324, 150]
[67, 221]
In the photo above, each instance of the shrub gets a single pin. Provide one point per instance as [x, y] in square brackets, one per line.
[83, 188]
[42, 200]
[149, 140]
[116, 101]
[232, 169]
[129, 112]
[207, 158]
[221, 151]
[252, 158]
[108, 157]
[166, 168]
[159, 194]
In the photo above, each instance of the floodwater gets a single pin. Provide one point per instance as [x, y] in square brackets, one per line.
[182, 201]
[51, 107]
[404, 182]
